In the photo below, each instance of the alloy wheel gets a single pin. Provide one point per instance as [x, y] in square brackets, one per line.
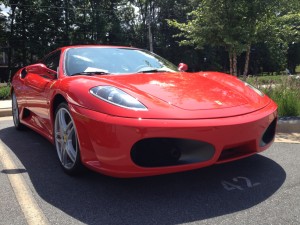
[66, 139]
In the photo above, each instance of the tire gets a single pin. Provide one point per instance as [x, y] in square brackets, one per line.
[16, 113]
[66, 141]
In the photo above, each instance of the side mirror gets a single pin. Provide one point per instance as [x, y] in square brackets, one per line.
[42, 70]
[183, 67]
[35, 68]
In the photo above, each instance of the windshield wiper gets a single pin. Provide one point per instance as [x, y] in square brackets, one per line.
[152, 71]
[90, 73]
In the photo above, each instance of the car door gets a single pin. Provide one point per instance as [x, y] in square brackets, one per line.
[38, 83]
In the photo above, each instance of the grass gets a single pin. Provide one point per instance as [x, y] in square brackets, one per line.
[4, 92]
[264, 80]
[284, 90]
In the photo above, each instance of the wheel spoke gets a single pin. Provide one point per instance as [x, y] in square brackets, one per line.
[15, 110]
[60, 147]
[70, 148]
[71, 151]
[59, 137]
[64, 156]
[69, 128]
[62, 120]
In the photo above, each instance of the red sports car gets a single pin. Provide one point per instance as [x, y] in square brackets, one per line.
[126, 112]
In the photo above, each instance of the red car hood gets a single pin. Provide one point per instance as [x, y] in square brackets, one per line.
[172, 95]
[190, 91]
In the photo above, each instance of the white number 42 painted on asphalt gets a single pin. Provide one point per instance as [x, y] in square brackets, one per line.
[239, 183]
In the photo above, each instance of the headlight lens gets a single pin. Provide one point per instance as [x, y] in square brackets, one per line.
[255, 89]
[117, 97]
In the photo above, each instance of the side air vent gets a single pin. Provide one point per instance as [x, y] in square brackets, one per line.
[269, 134]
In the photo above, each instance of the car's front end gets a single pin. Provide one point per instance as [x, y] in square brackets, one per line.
[131, 147]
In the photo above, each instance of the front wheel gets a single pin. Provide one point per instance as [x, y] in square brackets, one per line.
[66, 142]
[15, 113]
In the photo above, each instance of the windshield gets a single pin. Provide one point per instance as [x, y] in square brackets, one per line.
[114, 61]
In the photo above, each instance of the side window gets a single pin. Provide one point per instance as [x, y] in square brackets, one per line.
[52, 60]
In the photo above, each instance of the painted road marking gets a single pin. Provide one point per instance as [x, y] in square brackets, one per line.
[239, 183]
[30, 208]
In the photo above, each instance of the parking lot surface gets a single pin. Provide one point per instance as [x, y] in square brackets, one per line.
[262, 189]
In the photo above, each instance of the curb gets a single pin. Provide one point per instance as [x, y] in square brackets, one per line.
[5, 112]
[288, 125]
[5, 108]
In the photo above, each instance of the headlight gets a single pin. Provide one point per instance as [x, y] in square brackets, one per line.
[254, 89]
[117, 97]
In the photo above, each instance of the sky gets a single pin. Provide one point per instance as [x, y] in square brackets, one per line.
[4, 9]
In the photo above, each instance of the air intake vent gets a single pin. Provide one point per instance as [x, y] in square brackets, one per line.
[269, 134]
[159, 152]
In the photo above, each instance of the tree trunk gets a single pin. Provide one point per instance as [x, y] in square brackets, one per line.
[234, 63]
[150, 37]
[246, 68]
[84, 23]
[230, 62]
[10, 44]
[24, 42]
[67, 40]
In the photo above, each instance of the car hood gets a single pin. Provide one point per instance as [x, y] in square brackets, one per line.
[192, 91]
[171, 95]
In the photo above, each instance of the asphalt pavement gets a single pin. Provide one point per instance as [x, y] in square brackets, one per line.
[262, 189]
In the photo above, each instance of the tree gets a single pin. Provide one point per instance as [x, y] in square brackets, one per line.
[232, 24]
[281, 33]
[242, 28]
[290, 23]
[3, 33]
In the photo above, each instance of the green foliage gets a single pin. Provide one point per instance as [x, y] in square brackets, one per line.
[227, 23]
[4, 92]
[2, 29]
[39, 26]
[214, 27]
[258, 81]
[284, 90]
[238, 24]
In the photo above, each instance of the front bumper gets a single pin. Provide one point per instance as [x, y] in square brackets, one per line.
[106, 141]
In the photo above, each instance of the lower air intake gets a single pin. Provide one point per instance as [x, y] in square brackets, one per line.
[269, 134]
[159, 152]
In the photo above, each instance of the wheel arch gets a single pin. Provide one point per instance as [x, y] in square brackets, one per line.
[55, 103]
[84, 154]
[12, 89]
